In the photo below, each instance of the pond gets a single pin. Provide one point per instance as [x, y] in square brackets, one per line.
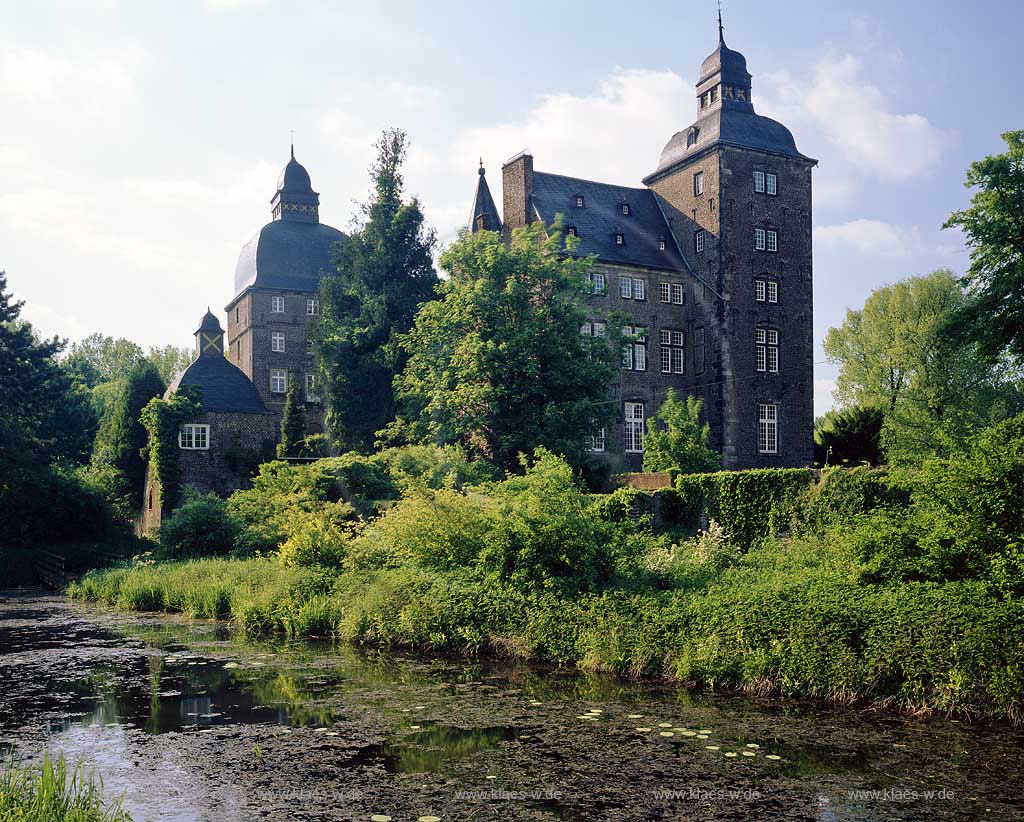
[190, 722]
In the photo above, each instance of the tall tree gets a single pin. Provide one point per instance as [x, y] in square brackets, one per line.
[122, 436]
[498, 364]
[679, 442]
[993, 313]
[99, 358]
[169, 360]
[293, 423]
[385, 272]
[894, 356]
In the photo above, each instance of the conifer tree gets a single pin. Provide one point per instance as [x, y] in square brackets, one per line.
[385, 272]
[293, 423]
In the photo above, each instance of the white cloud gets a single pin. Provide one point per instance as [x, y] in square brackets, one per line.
[615, 134]
[89, 84]
[869, 237]
[232, 5]
[851, 117]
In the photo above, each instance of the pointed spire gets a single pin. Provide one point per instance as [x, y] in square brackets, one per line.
[721, 34]
[293, 130]
[484, 216]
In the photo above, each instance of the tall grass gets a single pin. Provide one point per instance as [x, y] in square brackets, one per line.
[785, 619]
[50, 792]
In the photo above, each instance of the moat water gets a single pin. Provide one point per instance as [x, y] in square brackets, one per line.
[188, 722]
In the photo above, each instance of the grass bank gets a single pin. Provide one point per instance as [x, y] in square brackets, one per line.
[773, 623]
[51, 792]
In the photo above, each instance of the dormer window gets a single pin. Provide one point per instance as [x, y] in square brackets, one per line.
[620, 239]
[571, 231]
[625, 208]
[691, 137]
[661, 243]
[579, 201]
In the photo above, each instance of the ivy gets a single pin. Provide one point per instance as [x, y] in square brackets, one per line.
[750, 505]
[162, 419]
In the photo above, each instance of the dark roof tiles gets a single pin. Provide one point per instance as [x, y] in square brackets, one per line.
[287, 254]
[601, 218]
[224, 387]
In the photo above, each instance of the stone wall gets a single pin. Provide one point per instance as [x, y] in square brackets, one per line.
[250, 325]
[239, 443]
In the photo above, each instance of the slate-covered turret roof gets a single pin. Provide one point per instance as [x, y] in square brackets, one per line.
[601, 218]
[224, 387]
[483, 207]
[294, 250]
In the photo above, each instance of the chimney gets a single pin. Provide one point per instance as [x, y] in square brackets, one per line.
[517, 190]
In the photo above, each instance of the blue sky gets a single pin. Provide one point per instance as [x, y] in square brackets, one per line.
[140, 142]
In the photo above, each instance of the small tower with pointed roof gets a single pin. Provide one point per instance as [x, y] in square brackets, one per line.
[484, 214]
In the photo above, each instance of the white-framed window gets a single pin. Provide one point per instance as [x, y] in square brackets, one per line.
[698, 240]
[595, 441]
[579, 201]
[698, 350]
[698, 183]
[593, 329]
[665, 292]
[632, 288]
[766, 344]
[773, 291]
[661, 245]
[278, 380]
[598, 282]
[672, 352]
[759, 182]
[312, 306]
[633, 430]
[759, 240]
[277, 342]
[759, 290]
[309, 345]
[773, 239]
[311, 395]
[634, 349]
[277, 305]
[194, 437]
[625, 208]
[772, 183]
[767, 428]
[571, 231]
[620, 239]
[678, 294]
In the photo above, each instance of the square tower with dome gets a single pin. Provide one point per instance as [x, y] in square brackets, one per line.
[710, 262]
[277, 287]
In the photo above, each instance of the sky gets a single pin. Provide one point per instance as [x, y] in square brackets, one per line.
[140, 142]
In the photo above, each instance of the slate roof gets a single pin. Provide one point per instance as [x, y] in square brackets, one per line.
[210, 323]
[224, 386]
[733, 126]
[287, 254]
[483, 205]
[601, 218]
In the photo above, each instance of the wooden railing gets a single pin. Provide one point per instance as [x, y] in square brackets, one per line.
[51, 571]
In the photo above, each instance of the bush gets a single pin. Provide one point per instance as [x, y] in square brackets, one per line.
[315, 539]
[200, 527]
[433, 466]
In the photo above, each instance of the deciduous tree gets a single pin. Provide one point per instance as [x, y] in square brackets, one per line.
[676, 440]
[993, 312]
[498, 364]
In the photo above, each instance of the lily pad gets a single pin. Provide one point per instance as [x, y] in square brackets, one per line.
[379, 817]
[644, 730]
[666, 733]
[730, 754]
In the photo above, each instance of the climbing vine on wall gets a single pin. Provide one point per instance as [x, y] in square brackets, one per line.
[162, 419]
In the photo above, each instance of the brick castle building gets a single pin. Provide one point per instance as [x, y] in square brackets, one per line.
[710, 261]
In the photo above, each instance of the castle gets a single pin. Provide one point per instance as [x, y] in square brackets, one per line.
[710, 261]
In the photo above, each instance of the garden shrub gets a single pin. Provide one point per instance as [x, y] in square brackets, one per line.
[201, 526]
